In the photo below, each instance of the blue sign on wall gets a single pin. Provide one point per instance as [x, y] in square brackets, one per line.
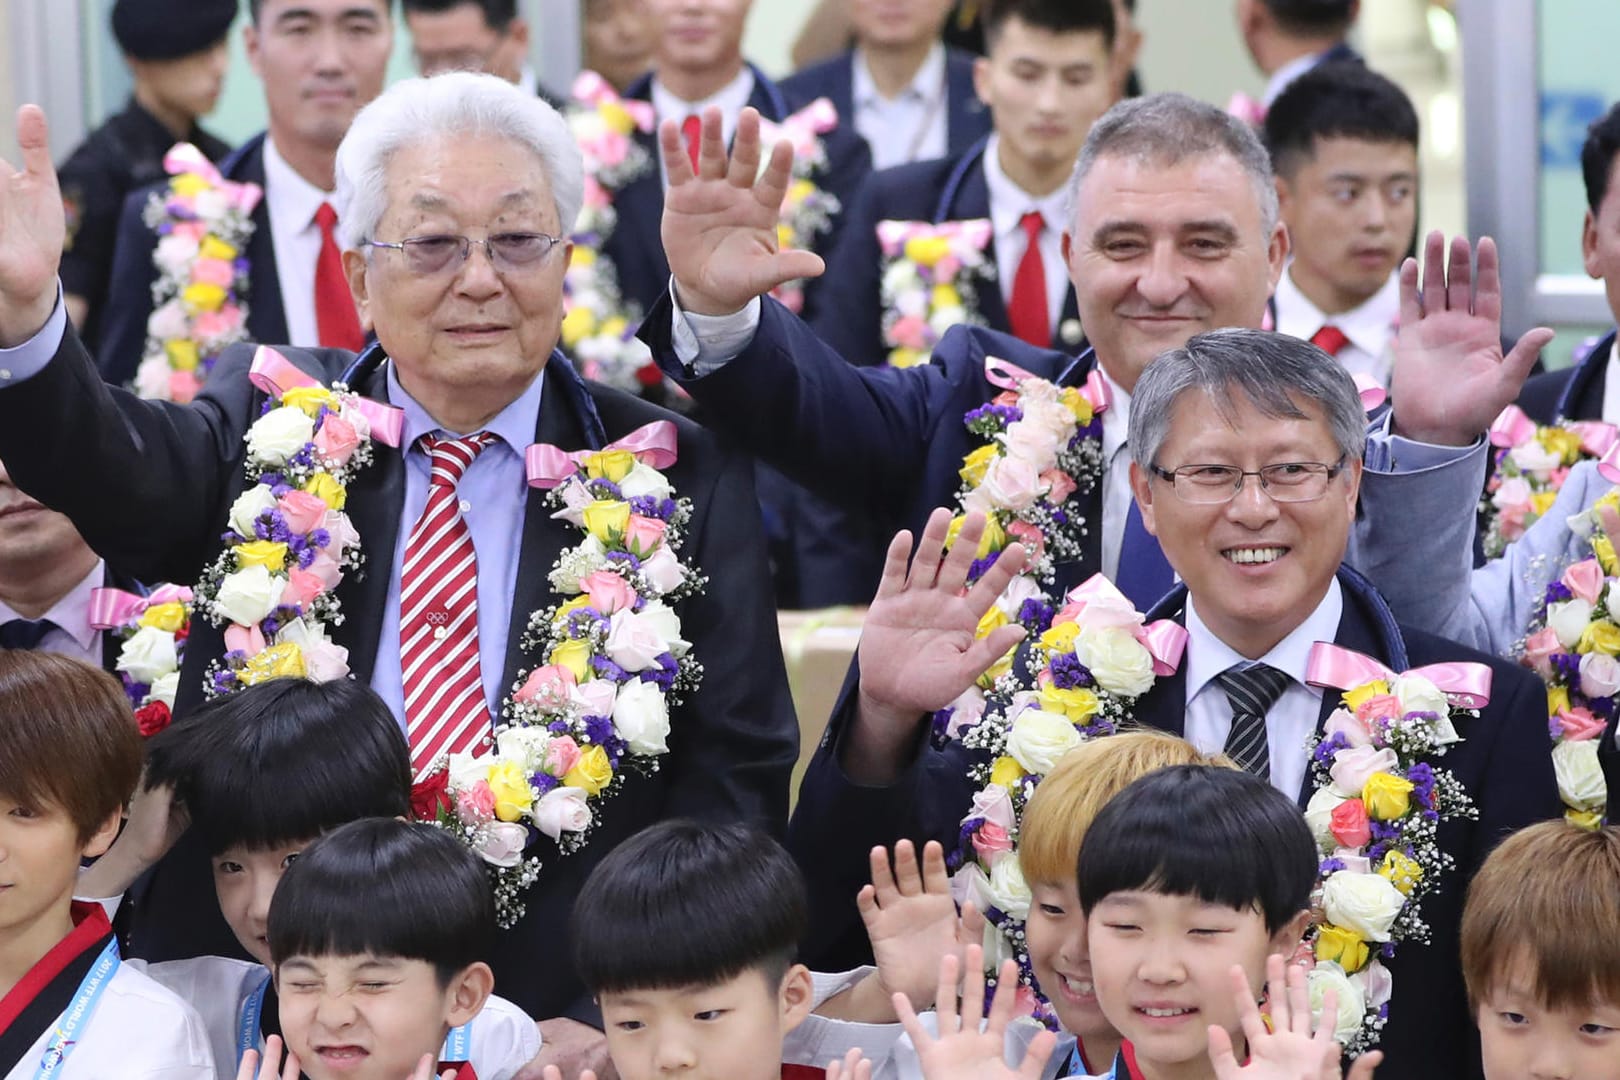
[1565, 116]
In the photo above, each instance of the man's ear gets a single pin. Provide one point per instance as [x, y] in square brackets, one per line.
[1589, 246]
[1288, 937]
[1143, 491]
[104, 835]
[354, 268]
[468, 991]
[796, 997]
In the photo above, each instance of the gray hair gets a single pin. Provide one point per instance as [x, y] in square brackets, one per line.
[1274, 371]
[1167, 129]
[455, 103]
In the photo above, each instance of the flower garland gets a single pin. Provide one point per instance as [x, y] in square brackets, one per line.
[153, 629]
[203, 222]
[1088, 669]
[931, 275]
[615, 664]
[807, 210]
[1378, 802]
[1531, 465]
[289, 541]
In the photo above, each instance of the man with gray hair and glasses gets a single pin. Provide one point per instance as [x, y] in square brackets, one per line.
[459, 190]
[1246, 451]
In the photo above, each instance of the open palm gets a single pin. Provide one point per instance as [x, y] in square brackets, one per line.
[32, 228]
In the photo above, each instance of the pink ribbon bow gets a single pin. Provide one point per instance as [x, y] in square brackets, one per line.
[1597, 438]
[1006, 375]
[1372, 394]
[112, 608]
[1247, 109]
[186, 158]
[818, 117]
[653, 445]
[275, 375]
[596, 92]
[1097, 602]
[1464, 682]
[893, 234]
[1511, 428]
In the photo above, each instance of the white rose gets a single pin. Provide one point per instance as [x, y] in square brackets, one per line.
[170, 320]
[1514, 491]
[247, 508]
[1568, 619]
[247, 596]
[1013, 483]
[1352, 1008]
[165, 687]
[174, 253]
[1379, 985]
[210, 204]
[641, 715]
[1417, 694]
[1038, 739]
[901, 276]
[666, 624]
[1580, 778]
[465, 770]
[643, 481]
[997, 949]
[1319, 814]
[1009, 892]
[1035, 444]
[1533, 457]
[1600, 674]
[524, 745]
[911, 303]
[663, 570]
[944, 318]
[561, 810]
[1365, 903]
[279, 434]
[502, 843]
[152, 377]
[148, 655]
[1120, 663]
[323, 660]
[633, 642]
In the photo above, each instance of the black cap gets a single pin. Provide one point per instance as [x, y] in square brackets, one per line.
[170, 29]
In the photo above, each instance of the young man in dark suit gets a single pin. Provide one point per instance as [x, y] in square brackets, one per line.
[320, 61]
[474, 35]
[465, 347]
[1286, 38]
[900, 88]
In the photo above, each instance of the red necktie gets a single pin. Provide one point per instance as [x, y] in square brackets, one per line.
[1027, 312]
[445, 708]
[691, 134]
[1330, 339]
[336, 323]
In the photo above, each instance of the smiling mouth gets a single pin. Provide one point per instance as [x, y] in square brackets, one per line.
[1254, 556]
[1079, 988]
[1156, 1013]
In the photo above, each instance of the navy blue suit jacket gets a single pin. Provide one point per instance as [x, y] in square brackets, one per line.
[636, 245]
[966, 118]
[1574, 393]
[129, 296]
[850, 315]
[1504, 762]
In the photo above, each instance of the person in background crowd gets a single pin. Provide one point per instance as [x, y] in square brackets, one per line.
[619, 38]
[473, 35]
[320, 61]
[1344, 144]
[177, 57]
[908, 95]
[1286, 38]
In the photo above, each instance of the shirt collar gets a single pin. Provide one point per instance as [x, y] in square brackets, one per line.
[922, 87]
[1009, 202]
[1208, 655]
[71, 613]
[514, 425]
[289, 193]
[1116, 418]
[1288, 73]
[529, 81]
[731, 98]
[1367, 327]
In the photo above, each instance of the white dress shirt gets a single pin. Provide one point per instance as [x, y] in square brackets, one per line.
[292, 201]
[73, 635]
[1008, 205]
[909, 126]
[1370, 328]
[1291, 721]
[1611, 387]
[1116, 479]
[732, 98]
[1286, 74]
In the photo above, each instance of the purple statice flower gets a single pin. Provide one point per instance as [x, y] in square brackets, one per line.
[603, 488]
[1568, 665]
[1555, 728]
[1007, 414]
[1035, 612]
[1068, 672]
[624, 557]
[607, 669]
[616, 748]
[320, 538]
[1558, 592]
[1331, 866]
[581, 620]
[1093, 430]
[224, 681]
[939, 727]
[1060, 516]
[1323, 754]
[543, 782]
[598, 729]
[979, 567]
[1601, 706]
[663, 676]
[558, 727]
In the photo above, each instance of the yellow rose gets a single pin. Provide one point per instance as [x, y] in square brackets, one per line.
[996, 670]
[976, 464]
[310, 399]
[800, 190]
[182, 354]
[617, 118]
[567, 609]
[592, 771]
[1336, 945]
[1078, 705]
[784, 237]
[513, 796]
[1006, 772]
[904, 358]
[606, 519]
[994, 538]
[990, 622]
[1591, 820]
[213, 247]
[575, 656]
[927, 250]
[943, 297]
[615, 327]
[284, 661]
[611, 465]
[1541, 501]
[1557, 700]
[188, 184]
[583, 256]
[1353, 699]
[270, 554]
[327, 489]
[1386, 796]
[203, 298]
[1600, 636]
[577, 325]
[1604, 550]
[1060, 638]
[1563, 442]
[168, 617]
[1077, 403]
[1400, 871]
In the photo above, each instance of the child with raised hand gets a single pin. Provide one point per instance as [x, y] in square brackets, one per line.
[261, 774]
[1541, 954]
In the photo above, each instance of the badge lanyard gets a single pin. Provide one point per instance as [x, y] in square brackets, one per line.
[247, 1020]
[78, 1014]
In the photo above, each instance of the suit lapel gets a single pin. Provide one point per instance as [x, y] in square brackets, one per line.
[1582, 398]
[841, 89]
[376, 502]
[971, 200]
[267, 317]
[1164, 706]
[966, 119]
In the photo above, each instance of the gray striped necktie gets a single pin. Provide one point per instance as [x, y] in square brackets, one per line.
[1252, 690]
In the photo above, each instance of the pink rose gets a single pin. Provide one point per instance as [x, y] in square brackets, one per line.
[991, 842]
[909, 332]
[562, 754]
[995, 806]
[1511, 522]
[1038, 446]
[183, 386]
[644, 535]
[190, 230]
[1351, 767]
[1012, 483]
[1379, 707]
[476, 804]
[1539, 648]
[302, 511]
[1558, 476]
[1579, 724]
[663, 571]
[1031, 537]
[244, 639]
[326, 570]
[1600, 675]
[1346, 723]
[596, 697]
[503, 843]
[1585, 580]
[211, 325]
[1006, 397]
[561, 810]
[301, 588]
[212, 272]
[1513, 492]
[341, 530]
[1348, 824]
[633, 643]
[1060, 485]
[549, 687]
[608, 591]
[325, 661]
[336, 440]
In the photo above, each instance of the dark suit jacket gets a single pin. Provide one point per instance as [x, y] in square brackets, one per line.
[636, 246]
[152, 487]
[129, 296]
[850, 315]
[1574, 393]
[966, 118]
[1504, 762]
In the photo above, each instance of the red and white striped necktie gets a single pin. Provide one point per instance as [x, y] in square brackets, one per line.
[445, 707]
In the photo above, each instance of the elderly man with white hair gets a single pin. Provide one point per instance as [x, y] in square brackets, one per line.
[485, 486]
